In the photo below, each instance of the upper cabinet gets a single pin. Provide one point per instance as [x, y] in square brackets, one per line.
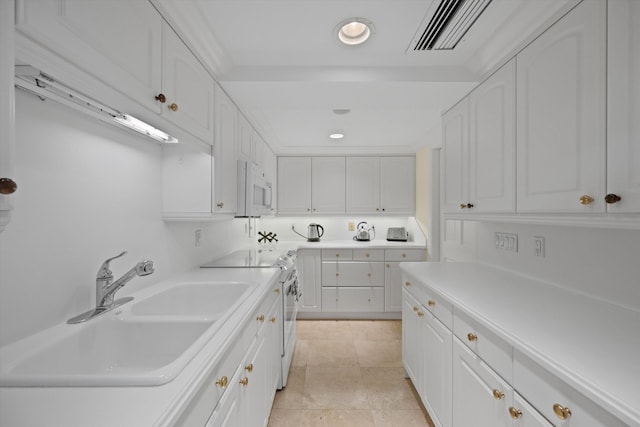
[381, 185]
[561, 115]
[7, 100]
[623, 115]
[224, 153]
[455, 158]
[294, 184]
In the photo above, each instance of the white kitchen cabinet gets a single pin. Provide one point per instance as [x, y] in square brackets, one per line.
[247, 141]
[525, 415]
[411, 339]
[561, 115]
[392, 286]
[380, 185]
[118, 42]
[455, 158]
[225, 153]
[623, 114]
[228, 411]
[188, 88]
[479, 147]
[259, 149]
[352, 273]
[358, 299]
[311, 185]
[271, 173]
[308, 263]
[492, 143]
[480, 397]
[436, 373]
[7, 111]
[187, 190]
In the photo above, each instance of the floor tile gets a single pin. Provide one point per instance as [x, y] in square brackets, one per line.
[331, 353]
[285, 418]
[322, 330]
[379, 353]
[300, 353]
[290, 397]
[334, 388]
[388, 389]
[375, 330]
[336, 418]
[400, 418]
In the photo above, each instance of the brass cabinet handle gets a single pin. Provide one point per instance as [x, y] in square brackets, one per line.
[7, 186]
[415, 308]
[273, 319]
[515, 413]
[472, 337]
[462, 206]
[220, 205]
[407, 283]
[222, 382]
[249, 367]
[173, 107]
[561, 412]
[244, 381]
[161, 98]
[612, 198]
[276, 290]
[431, 303]
[260, 318]
[497, 394]
[420, 314]
[586, 200]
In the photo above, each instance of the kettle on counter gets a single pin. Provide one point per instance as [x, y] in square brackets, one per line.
[314, 232]
[363, 233]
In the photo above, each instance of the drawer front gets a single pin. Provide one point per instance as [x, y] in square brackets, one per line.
[353, 299]
[368, 254]
[260, 316]
[337, 254]
[494, 351]
[545, 391]
[404, 255]
[527, 414]
[440, 308]
[353, 273]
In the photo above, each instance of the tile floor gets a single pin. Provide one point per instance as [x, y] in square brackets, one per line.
[348, 373]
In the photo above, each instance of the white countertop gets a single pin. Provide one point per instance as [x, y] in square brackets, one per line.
[135, 406]
[592, 345]
[351, 244]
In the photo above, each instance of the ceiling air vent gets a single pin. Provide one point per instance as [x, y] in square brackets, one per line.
[446, 22]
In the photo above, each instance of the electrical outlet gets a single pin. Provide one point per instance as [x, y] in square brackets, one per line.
[539, 246]
[198, 237]
[506, 241]
[352, 226]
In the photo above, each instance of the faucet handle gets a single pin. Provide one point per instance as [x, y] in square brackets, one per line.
[104, 272]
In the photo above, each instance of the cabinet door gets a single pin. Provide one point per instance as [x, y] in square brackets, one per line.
[492, 143]
[411, 340]
[455, 157]
[436, 375]
[294, 184]
[363, 184]
[398, 185]
[308, 264]
[353, 273]
[352, 300]
[328, 185]
[623, 138]
[245, 131]
[224, 153]
[188, 88]
[561, 115]
[259, 149]
[7, 106]
[392, 287]
[119, 42]
[186, 166]
[271, 173]
[474, 384]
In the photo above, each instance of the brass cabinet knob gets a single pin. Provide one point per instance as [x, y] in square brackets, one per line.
[612, 198]
[367, 255]
[388, 265]
[515, 413]
[497, 394]
[431, 303]
[472, 337]
[337, 255]
[276, 290]
[415, 308]
[462, 206]
[420, 314]
[244, 381]
[469, 205]
[369, 274]
[260, 318]
[337, 274]
[222, 382]
[586, 200]
[161, 98]
[7, 186]
[561, 412]
[407, 283]
[249, 368]
[404, 255]
[273, 319]
[220, 205]
[173, 107]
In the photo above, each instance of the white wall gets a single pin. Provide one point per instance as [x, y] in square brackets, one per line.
[87, 191]
[602, 263]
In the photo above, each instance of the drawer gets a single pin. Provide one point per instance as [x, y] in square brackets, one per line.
[527, 414]
[437, 306]
[404, 255]
[337, 254]
[353, 299]
[545, 391]
[368, 254]
[493, 350]
[353, 273]
[259, 316]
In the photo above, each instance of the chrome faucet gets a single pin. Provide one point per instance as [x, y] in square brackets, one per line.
[106, 288]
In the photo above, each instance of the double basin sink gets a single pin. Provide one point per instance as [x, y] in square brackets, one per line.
[143, 343]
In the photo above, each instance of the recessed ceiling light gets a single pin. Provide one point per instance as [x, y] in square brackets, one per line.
[354, 31]
[341, 111]
[336, 135]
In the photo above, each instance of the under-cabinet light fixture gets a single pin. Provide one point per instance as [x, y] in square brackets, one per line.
[34, 81]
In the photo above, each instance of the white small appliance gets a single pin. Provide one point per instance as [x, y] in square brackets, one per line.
[254, 191]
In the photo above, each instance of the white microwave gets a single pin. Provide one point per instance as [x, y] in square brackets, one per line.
[254, 191]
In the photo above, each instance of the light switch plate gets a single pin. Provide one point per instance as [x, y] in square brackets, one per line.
[506, 241]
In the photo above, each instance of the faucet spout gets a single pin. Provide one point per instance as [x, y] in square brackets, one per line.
[105, 289]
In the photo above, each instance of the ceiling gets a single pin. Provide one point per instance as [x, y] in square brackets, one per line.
[281, 62]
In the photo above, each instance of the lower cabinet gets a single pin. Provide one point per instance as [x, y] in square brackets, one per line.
[352, 299]
[308, 264]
